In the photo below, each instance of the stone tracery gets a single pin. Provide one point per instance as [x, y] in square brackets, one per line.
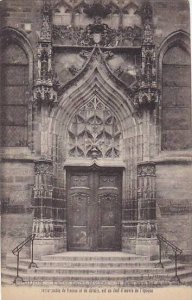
[94, 132]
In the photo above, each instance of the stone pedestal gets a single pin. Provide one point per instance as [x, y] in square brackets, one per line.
[147, 247]
[48, 246]
[49, 230]
[146, 243]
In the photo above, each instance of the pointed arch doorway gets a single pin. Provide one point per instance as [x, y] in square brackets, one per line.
[94, 184]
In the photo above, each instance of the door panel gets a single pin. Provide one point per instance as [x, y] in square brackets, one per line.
[108, 242]
[109, 198]
[78, 203]
[78, 223]
[94, 210]
[107, 209]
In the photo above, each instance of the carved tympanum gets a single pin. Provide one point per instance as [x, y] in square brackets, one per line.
[94, 132]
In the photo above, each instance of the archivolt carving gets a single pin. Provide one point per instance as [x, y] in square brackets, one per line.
[94, 132]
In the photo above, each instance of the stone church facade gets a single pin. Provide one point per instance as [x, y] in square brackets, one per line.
[96, 136]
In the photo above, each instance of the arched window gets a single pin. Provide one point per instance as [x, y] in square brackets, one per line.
[15, 88]
[176, 98]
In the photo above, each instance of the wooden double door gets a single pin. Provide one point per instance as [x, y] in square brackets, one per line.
[94, 209]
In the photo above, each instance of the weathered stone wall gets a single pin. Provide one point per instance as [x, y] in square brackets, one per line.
[174, 203]
[23, 15]
[17, 167]
[170, 16]
[16, 182]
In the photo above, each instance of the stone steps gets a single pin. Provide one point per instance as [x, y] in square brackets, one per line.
[90, 264]
[83, 269]
[87, 270]
[50, 274]
[88, 280]
[187, 280]
[94, 256]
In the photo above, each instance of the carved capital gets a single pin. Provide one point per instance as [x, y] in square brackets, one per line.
[43, 167]
[44, 93]
[147, 169]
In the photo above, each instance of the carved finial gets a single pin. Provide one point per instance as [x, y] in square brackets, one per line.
[148, 35]
[45, 34]
[148, 93]
[147, 19]
[147, 13]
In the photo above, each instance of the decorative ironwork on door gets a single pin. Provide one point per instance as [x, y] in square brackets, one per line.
[94, 132]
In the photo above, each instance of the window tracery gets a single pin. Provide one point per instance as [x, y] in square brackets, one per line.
[94, 132]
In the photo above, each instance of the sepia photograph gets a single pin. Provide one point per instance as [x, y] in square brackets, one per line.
[95, 149]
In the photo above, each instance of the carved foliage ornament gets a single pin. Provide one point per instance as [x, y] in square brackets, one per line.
[76, 200]
[146, 170]
[148, 93]
[43, 167]
[45, 33]
[113, 198]
[44, 94]
[148, 35]
[98, 33]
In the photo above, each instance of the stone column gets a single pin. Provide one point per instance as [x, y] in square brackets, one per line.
[147, 226]
[43, 189]
[49, 235]
[146, 100]
[43, 218]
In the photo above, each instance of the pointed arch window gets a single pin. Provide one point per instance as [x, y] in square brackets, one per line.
[94, 132]
[176, 99]
[15, 87]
